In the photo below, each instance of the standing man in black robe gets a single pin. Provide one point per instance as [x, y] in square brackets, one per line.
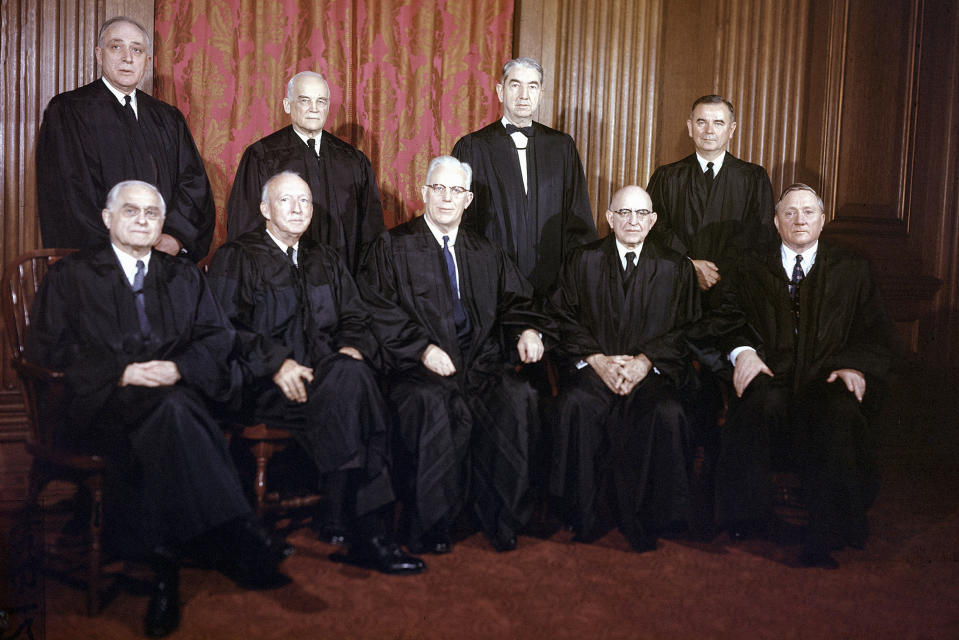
[144, 348]
[93, 137]
[449, 309]
[347, 213]
[711, 205]
[530, 189]
[304, 343]
[811, 344]
[621, 436]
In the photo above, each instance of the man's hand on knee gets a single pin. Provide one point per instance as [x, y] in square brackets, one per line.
[748, 366]
[854, 380]
[290, 379]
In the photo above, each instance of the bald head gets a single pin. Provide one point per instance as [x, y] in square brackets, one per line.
[630, 215]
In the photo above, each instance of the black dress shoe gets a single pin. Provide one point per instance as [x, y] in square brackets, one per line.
[817, 556]
[332, 534]
[255, 556]
[163, 612]
[435, 543]
[382, 554]
[503, 542]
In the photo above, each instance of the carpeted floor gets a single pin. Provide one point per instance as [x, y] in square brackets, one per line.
[905, 584]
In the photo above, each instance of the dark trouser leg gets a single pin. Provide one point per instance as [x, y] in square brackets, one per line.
[744, 472]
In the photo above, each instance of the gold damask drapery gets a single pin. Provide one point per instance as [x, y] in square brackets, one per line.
[407, 78]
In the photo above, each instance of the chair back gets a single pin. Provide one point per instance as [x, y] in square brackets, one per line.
[44, 393]
[21, 281]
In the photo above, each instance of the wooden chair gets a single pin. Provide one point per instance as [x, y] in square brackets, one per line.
[44, 400]
[264, 441]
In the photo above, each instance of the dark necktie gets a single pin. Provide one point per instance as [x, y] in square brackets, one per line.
[798, 275]
[526, 131]
[312, 144]
[292, 254]
[710, 176]
[139, 300]
[128, 110]
[459, 313]
[630, 267]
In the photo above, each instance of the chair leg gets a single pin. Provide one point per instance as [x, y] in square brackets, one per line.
[262, 451]
[95, 485]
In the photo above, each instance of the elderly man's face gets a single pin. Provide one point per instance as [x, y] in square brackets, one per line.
[711, 127]
[519, 94]
[631, 216]
[444, 207]
[136, 220]
[288, 209]
[309, 105]
[122, 55]
[799, 220]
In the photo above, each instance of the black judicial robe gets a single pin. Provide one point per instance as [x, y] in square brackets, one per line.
[842, 324]
[469, 431]
[641, 440]
[717, 224]
[307, 313]
[86, 146]
[347, 214]
[170, 476]
[539, 228]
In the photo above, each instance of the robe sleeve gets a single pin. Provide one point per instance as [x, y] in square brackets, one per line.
[234, 280]
[243, 207]
[579, 227]
[353, 316]
[669, 352]
[516, 309]
[565, 305]
[68, 201]
[403, 341]
[190, 215]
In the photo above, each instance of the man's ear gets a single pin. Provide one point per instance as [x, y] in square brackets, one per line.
[105, 214]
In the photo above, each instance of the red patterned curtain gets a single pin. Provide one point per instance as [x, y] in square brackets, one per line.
[407, 78]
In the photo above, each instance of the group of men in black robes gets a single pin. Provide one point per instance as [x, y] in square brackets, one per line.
[462, 298]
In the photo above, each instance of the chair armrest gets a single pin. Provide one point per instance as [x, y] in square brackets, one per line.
[30, 370]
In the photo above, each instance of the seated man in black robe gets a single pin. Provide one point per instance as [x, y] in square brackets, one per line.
[304, 339]
[448, 308]
[144, 347]
[620, 433]
[347, 214]
[811, 343]
[109, 130]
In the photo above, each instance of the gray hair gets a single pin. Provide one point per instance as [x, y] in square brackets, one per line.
[714, 99]
[114, 193]
[799, 186]
[529, 63]
[453, 163]
[303, 74]
[106, 25]
[265, 193]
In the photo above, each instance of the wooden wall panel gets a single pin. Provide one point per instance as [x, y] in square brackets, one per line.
[600, 64]
[47, 48]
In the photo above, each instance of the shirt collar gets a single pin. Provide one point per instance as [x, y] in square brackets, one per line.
[318, 138]
[438, 235]
[119, 95]
[717, 163]
[789, 258]
[129, 264]
[622, 250]
[281, 245]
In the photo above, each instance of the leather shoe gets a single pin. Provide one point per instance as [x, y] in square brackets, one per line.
[256, 554]
[163, 612]
[813, 555]
[435, 543]
[382, 554]
[503, 542]
[332, 534]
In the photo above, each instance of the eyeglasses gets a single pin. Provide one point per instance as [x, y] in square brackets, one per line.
[151, 213]
[626, 214]
[441, 189]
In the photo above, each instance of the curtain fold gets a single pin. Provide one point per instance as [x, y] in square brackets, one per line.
[407, 78]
